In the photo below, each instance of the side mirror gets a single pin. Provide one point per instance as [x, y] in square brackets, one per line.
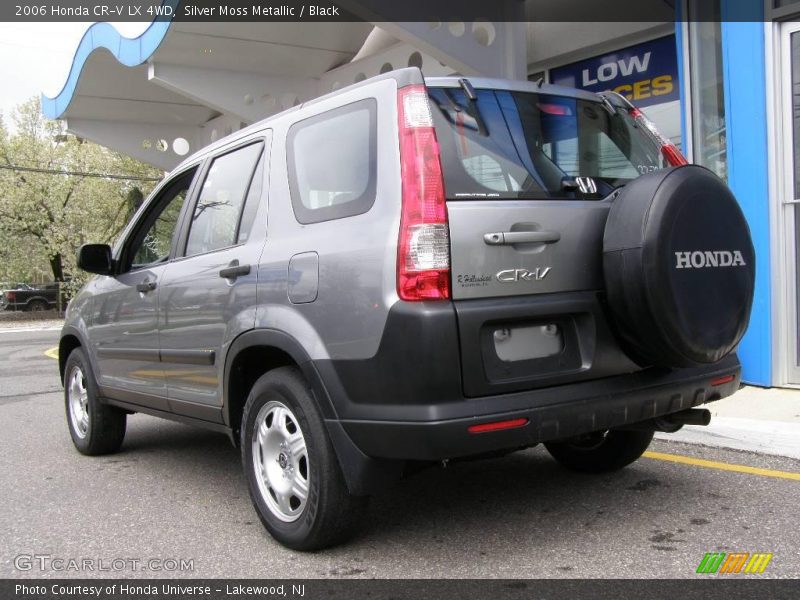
[96, 258]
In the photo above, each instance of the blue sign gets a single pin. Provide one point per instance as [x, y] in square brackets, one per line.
[646, 74]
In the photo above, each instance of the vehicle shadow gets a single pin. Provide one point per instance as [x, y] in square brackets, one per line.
[523, 495]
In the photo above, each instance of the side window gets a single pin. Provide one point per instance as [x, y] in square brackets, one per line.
[332, 160]
[152, 243]
[216, 217]
[251, 204]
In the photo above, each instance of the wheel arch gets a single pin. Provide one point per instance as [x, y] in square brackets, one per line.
[70, 339]
[257, 352]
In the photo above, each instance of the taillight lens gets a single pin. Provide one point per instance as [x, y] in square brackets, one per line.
[11, 296]
[423, 258]
[670, 152]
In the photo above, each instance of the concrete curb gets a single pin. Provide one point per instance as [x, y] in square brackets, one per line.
[777, 438]
[30, 329]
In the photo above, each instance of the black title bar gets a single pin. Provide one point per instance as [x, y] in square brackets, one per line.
[712, 588]
[432, 11]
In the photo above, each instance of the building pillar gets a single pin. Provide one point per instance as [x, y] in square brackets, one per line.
[743, 59]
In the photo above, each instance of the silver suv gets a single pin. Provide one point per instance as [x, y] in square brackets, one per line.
[405, 272]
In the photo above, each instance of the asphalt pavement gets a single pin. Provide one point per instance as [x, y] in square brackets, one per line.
[175, 493]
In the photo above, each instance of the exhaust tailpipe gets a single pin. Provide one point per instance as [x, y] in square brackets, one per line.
[672, 423]
[692, 416]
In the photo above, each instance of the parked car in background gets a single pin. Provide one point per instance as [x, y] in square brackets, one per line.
[5, 285]
[31, 298]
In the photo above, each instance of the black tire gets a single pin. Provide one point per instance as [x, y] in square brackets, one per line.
[104, 430]
[329, 514]
[37, 306]
[600, 452]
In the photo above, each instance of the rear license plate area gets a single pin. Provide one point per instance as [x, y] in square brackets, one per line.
[531, 342]
[530, 349]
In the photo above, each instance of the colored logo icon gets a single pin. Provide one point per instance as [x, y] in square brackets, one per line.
[734, 562]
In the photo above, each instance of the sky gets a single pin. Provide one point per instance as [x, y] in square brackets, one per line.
[36, 57]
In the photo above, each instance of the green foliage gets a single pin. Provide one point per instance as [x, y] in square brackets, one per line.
[45, 217]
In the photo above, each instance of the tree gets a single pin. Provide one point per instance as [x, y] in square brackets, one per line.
[55, 194]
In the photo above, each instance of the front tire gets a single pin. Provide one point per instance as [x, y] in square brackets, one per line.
[600, 452]
[292, 471]
[95, 428]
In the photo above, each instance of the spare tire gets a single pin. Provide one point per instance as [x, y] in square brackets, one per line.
[679, 268]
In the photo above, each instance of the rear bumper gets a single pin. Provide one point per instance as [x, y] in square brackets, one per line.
[552, 413]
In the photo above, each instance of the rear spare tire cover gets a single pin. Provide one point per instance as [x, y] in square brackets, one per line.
[679, 268]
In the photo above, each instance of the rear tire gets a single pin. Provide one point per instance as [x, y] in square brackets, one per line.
[38, 306]
[600, 452]
[95, 428]
[292, 471]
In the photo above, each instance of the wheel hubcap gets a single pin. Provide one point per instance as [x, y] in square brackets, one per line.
[280, 461]
[78, 402]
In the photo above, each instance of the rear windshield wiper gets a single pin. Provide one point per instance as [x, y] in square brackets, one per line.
[609, 106]
[468, 89]
[472, 98]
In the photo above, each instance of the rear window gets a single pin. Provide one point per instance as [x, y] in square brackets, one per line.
[523, 145]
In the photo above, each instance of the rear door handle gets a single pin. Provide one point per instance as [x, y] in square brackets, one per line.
[146, 286]
[507, 238]
[234, 270]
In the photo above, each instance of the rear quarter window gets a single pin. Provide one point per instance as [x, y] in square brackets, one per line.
[332, 163]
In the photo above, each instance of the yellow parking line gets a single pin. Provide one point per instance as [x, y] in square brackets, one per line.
[712, 464]
[52, 353]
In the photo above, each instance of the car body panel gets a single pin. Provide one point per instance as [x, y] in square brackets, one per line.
[201, 312]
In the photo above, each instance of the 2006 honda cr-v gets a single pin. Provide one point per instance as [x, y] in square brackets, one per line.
[409, 271]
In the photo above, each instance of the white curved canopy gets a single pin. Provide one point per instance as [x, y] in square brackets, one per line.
[179, 87]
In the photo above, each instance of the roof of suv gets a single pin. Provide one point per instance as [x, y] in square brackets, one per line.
[404, 77]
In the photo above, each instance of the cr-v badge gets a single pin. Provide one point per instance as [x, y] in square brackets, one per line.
[514, 275]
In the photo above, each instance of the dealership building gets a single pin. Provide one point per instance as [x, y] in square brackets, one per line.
[718, 77]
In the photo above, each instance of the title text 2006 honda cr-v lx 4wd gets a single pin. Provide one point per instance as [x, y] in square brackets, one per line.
[408, 271]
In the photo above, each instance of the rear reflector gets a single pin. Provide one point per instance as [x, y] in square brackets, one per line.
[497, 426]
[423, 254]
[722, 380]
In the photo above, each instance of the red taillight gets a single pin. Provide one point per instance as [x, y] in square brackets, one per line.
[497, 426]
[423, 256]
[722, 380]
[11, 296]
[670, 152]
